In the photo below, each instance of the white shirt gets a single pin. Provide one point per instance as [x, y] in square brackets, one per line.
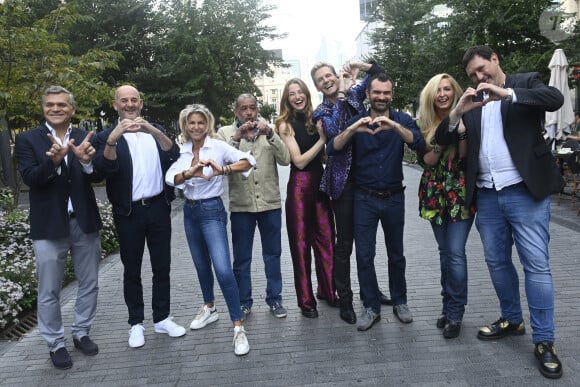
[496, 167]
[87, 168]
[147, 173]
[198, 188]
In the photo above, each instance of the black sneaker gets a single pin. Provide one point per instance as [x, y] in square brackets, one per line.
[86, 346]
[501, 328]
[550, 365]
[61, 359]
[278, 310]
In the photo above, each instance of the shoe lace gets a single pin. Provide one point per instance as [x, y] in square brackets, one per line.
[202, 312]
[369, 313]
[239, 336]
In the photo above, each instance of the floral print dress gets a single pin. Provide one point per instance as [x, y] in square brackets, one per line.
[442, 190]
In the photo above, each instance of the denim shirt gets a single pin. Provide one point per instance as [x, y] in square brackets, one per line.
[378, 158]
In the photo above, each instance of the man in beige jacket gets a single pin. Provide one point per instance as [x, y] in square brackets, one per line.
[255, 200]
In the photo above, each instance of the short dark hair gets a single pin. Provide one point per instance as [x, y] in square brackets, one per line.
[483, 51]
[381, 77]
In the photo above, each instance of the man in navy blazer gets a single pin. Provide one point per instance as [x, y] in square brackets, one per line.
[510, 175]
[64, 218]
[134, 156]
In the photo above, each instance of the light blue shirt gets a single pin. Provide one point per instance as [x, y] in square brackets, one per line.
[496, 167]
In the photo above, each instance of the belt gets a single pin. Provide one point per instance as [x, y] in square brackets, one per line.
[193, 202]
[382, 194]
[148, 201]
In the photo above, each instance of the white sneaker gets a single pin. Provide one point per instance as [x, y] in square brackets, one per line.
[204, 317]
[241, 345]
[136, 338]
[169, 327]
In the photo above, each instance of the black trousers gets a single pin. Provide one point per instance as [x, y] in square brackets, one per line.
[343, 209]
[149, 223]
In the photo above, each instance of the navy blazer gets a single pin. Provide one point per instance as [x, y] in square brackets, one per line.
[523, 133]
[119, 172]
[49, 191]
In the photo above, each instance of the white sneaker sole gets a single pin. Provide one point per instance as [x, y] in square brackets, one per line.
[212, 318]
[170, 334]
[242, 352]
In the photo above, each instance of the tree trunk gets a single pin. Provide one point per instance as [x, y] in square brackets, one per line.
[7, 163]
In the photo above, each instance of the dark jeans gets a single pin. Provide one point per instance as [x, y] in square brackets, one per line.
[343, 209]
[152, 224]
[368, 211]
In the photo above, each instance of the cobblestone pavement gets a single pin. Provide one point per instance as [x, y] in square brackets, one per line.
[316, 352]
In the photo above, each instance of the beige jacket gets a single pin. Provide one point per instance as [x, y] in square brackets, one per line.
[260, 191]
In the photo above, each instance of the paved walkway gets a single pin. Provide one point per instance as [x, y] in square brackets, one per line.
[324, 351]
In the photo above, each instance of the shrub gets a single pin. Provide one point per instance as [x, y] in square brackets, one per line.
[18, 285]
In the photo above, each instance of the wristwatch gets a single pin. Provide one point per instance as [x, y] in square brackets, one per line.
[510, 95]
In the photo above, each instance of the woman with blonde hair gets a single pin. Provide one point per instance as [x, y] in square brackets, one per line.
[200, 170]
[309, 218]
[442, 198]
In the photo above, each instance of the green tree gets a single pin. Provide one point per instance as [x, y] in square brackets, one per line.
[267, 111]
[414, 43]
[33, 58]
[402, 46]
[211, 54]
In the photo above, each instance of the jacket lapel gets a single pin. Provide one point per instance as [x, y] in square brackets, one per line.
[505, 104]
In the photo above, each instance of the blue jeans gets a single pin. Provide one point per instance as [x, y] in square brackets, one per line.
[451, 238]
[205, 228]
[368, 211]
[514, 215]
[243, 229]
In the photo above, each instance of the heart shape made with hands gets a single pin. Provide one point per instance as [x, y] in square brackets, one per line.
[205, 169]
[375, 126]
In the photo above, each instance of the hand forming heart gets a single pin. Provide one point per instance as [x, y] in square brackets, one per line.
[205, 169]
[378, 124]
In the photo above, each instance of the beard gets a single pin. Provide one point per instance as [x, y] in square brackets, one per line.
[380, 106]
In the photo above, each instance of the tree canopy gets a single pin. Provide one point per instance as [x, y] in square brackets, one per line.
[414, 43]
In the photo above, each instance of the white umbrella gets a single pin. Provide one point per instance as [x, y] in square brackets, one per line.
[562, 119]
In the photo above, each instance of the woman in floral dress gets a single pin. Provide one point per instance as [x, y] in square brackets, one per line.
[442, 198]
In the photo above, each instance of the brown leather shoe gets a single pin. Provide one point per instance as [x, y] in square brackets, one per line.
[501, 328]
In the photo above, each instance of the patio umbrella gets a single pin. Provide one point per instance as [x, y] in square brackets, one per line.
[559, 122]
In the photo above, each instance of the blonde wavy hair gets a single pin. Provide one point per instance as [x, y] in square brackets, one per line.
[287, 112]
[196, 109]
[428, 117]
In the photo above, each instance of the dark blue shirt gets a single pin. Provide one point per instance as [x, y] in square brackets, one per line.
[378, 158]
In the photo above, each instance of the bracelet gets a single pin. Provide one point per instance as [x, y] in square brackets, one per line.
[183, 175]
[111, 145]
[462, 136]
[436, 148]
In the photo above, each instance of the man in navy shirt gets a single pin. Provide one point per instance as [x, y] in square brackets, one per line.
[378, 137]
